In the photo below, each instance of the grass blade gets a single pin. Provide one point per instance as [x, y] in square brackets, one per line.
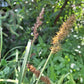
[24, 62]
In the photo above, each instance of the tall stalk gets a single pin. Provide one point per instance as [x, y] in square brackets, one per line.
[44, 67]
[0, 36]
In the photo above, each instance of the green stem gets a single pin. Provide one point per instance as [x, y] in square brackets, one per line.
[44, 67]
[8, 80]
[0, 37]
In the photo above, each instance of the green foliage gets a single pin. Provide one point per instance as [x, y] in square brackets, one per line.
[61, 80]
[70, 81]
[3, 62]
[16, 22]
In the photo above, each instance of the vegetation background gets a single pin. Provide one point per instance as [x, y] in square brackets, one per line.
[17, 19]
